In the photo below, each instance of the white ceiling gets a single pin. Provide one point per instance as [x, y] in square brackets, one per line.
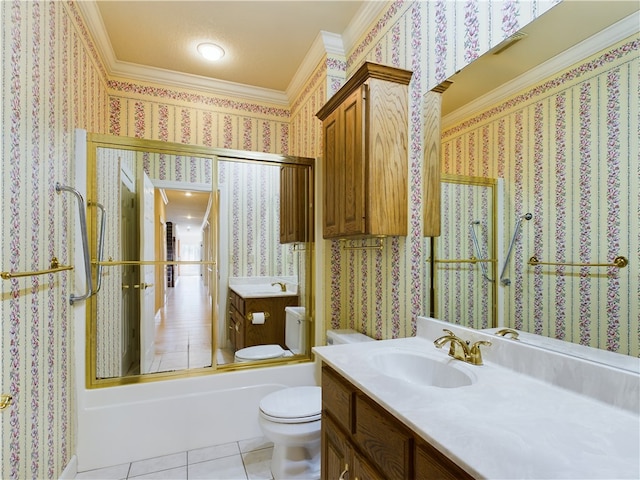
[266, 42]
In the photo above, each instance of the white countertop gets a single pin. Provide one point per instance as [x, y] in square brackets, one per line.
[507, 424]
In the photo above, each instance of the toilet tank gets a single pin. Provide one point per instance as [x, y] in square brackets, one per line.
[336, 337]
[295, 330]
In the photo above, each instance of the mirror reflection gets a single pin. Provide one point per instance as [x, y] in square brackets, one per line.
[201, 262]
[259, 275]
[465, 255]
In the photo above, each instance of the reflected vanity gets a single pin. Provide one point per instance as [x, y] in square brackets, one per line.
[178, 227]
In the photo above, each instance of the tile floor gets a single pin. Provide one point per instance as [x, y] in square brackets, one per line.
[244, 460]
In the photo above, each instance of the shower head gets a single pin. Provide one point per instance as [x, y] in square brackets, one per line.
[527, 216]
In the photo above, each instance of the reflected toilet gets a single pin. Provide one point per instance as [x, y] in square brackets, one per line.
[295, 332]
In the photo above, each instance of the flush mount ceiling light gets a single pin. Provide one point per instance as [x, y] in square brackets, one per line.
[211, 51]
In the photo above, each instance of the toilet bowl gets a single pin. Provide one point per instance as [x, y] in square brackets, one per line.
[295, 339]
[290, 418]
[260, 352]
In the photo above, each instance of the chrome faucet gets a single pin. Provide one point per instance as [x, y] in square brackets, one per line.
[283, 286]
[459, 349]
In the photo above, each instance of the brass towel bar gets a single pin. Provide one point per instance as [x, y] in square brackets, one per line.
[54, 268]
[379, 245]
[619, 262]
[115, 263]
[467, 260]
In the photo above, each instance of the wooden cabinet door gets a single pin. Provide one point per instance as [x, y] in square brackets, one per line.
[430, 463]
[293, 202]
[336, 453]
[332, 174]
[354, 191]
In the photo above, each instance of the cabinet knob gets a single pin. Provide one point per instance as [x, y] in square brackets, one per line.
[345, 472]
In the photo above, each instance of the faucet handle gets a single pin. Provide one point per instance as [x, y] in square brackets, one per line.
[475, 356]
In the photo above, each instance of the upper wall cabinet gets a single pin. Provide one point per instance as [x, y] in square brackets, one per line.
[295, 194]
[365, 172]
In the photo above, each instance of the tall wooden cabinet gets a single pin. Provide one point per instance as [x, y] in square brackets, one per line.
[365, 174]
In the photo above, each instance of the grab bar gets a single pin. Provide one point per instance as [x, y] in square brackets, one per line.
[85, 243]
[100, 245]
[505, 281]
[53, 268]
[476, 244]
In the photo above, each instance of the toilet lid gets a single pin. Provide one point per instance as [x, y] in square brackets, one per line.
[293, 405]
[260, 352]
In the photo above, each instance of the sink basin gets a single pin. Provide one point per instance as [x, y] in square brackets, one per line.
[260, 290]
[420, 370]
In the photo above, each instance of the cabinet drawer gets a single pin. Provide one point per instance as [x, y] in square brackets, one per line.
[382, 440]
[337, 398]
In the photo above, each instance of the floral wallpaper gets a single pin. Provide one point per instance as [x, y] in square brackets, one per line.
[381, 293]
[568, 156]
[52, 82]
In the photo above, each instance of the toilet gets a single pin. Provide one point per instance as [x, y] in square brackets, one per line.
[290, 418]
[295, 331]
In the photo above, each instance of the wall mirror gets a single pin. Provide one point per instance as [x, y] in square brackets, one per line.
[197, 254]
[464, 256]
[535, 306]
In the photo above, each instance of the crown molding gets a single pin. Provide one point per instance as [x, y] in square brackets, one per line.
[332, 43]
[130, 71]
[325, 43]
[609, 36]
[368, 13]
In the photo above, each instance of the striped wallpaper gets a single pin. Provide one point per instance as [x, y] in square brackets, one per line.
[568, 151]
[53, 81]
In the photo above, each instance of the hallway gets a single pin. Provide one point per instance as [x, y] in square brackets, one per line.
[183, 327]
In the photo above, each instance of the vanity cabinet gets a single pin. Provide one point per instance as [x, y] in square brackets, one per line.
[365, 174]
[359, 436]
[243, 333]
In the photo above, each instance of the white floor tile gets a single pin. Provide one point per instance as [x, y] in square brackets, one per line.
[117, 472]
[179, 473]
[258, 464]
[227, 468]
[158, 464]
[256, 443]
[212, 453]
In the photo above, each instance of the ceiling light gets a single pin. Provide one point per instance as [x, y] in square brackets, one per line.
[210, 51]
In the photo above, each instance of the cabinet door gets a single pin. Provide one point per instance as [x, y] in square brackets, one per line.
[386, 443]
[293, 201]
[332, 173]
[430, 463]
[237, 329]
[354, 190]
[335, 463]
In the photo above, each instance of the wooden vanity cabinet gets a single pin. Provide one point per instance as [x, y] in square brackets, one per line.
[365, 174]
[243, 333]
[362, 438]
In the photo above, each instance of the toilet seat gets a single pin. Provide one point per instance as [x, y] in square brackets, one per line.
[293, 405]
[260, 352]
